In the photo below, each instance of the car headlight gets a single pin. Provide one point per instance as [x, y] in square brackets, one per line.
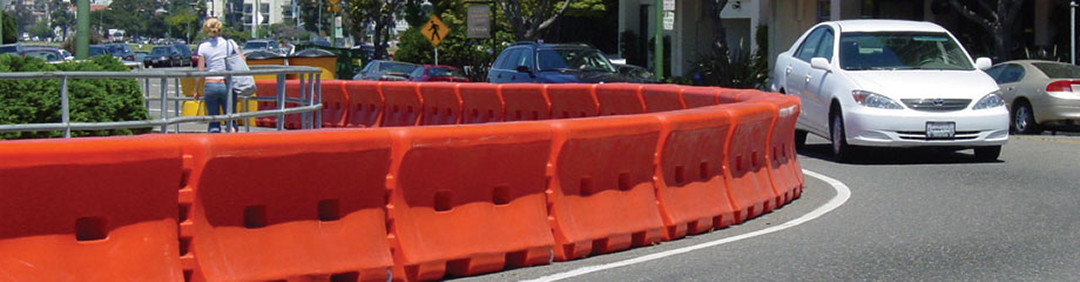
[992, 100]
[874, 100]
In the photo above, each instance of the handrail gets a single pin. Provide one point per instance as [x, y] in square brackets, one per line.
[310, 98]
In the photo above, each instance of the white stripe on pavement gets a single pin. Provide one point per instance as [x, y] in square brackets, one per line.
[843, 193]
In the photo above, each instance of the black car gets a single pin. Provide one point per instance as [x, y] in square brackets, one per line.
[528, 62]
[11, 48]
[185, 55]
[163, 56]
[386, 70]
[120, 50]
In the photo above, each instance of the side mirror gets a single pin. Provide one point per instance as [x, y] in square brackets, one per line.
[523, 69]
[983, 63]
[820, 63]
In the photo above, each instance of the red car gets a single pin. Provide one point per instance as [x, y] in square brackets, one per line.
[438, 73]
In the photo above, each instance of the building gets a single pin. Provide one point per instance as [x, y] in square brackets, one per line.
[270, 11]
[788, 19]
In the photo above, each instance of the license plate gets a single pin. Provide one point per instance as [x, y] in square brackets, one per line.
[940, 129]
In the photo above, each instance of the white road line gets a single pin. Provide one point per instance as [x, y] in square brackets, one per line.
[842, 195]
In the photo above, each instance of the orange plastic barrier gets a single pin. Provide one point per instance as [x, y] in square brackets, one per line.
[662, 98]
[442, 105]
[750, 186]
[525, 102]
[470, 199]
[268, 88]
[480, 103]
[602, 197]
[365, 104]
[573, 100]
[403, 104]
[621, 99]
[335, 102]
[289, 205]
[691, 180]
[731, 96]
[90, 209]
[696, 97]
[784, 170]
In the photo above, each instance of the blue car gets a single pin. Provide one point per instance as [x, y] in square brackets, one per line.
[528, 62]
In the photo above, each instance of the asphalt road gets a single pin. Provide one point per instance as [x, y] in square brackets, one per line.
[912, 215]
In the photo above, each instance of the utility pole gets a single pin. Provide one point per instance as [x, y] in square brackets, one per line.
[255, 20]
[658, 56]
[1072, 28]
[82, 29]
[3, 3]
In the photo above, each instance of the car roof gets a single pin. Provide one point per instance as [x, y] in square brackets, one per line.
[887, 25]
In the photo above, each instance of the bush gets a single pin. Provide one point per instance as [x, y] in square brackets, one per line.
[90, 100]
[735, 69]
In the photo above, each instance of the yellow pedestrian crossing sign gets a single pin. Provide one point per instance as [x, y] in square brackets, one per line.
[435, 30]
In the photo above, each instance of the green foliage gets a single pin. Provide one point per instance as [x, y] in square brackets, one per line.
[736, 68]
[9, 29]
[456, 49]
[91, 100]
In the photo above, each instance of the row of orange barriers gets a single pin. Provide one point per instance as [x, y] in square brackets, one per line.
[648, 163]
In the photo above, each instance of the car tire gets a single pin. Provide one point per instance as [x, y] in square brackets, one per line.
[840, 148]
[987, 153]
[1023, 119]
[800, 138]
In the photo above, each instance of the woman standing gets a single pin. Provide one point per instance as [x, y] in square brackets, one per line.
[212, 53]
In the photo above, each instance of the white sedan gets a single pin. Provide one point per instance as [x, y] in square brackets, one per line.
[889, 83]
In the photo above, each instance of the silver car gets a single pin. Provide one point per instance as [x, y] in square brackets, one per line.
[1039, 93]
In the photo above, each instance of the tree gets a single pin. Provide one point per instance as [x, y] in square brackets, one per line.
[313, 20]
[996, 17]
[62, 18]
[9, 28]
[381, 14]
[529, 18]
[720, 41]
[41, 30]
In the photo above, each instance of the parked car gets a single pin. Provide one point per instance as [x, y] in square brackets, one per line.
[890, 83]
[120, 50]
[186, 58]
[554, 63]
[67, 55]
[49, 54]
[141, 55]
[262, 44]
[1039, 93]
[386, 70]
[98, 50]
[163, 56]
[11, 48]
[438, 73]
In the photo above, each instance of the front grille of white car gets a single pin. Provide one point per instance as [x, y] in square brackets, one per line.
[921, 135]
[936, 104]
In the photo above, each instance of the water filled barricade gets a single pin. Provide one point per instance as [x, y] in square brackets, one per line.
[421, 181]
[99, 209]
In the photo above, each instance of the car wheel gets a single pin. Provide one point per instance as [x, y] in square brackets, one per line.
[800, 138]
[987, 153]
[1023, 119]
[841, 149]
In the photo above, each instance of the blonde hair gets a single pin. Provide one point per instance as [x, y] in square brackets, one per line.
[212, 27]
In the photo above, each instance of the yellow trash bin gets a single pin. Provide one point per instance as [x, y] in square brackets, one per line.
[318, 58]
[264, 58]
[198, 108]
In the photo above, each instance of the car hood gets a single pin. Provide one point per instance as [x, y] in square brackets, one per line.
[904, 84]
[586, 77]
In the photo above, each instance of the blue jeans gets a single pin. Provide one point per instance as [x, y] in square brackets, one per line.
[216, 102]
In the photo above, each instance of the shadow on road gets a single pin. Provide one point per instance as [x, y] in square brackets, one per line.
[894, 156]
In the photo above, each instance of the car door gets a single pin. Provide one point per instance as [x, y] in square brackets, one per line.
[1009, 81]
[503, 71]
[817, 93]
[797, 75]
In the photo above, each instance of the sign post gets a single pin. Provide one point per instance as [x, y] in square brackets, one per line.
[435, 31]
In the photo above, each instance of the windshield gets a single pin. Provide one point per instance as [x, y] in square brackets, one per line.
[573, 59]
[901, 51]
[254, 45]
[397, 68]
[96, 51]
[1058, 70]
[160, 51]
[440, 72]
[184, 50]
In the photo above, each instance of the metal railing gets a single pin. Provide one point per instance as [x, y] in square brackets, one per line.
[309, 101]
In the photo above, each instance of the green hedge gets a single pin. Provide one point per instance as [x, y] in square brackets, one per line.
[91, 100]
